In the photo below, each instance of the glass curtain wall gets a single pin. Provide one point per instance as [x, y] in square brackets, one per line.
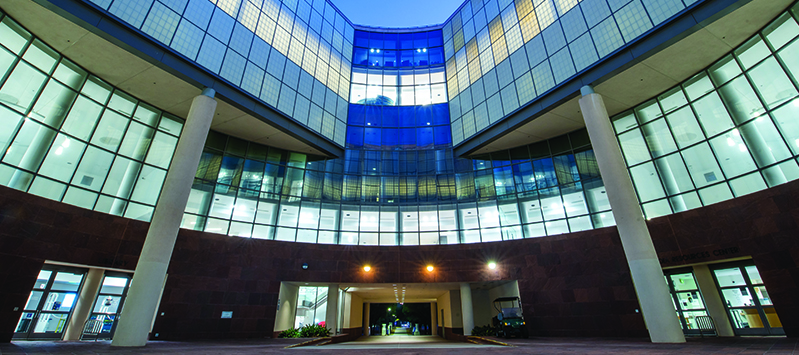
[502, 54]
[71, 137]
[397, 196]
[293, 55]
[398, 182]
[728, 131]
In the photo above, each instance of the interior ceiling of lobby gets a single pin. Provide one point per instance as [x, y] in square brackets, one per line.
[621, 91]
[414, 292]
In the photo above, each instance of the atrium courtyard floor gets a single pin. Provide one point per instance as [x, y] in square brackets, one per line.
[738, 345]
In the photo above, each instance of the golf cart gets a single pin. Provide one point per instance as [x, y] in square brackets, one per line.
[509, 321]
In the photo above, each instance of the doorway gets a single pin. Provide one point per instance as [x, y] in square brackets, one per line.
[746, 299]
[50, 303]
[687, 299]
[108, 304]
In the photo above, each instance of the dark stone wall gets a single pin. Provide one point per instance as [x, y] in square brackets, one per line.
[571, 285]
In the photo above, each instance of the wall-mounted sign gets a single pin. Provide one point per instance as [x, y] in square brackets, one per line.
[227, 314]
[701, 255]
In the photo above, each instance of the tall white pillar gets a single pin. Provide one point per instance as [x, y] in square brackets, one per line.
[466, 308]
[331, 314]
[367, 326]
[648, 279]
[145, 288]
[84, 304]
[713, 303]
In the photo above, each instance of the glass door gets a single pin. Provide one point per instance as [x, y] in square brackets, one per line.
[747, 301]
[108, 304]
[687, 299]
[49, 304]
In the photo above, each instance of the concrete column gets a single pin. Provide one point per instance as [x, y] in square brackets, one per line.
[433, 319]
[466, 308]
[647, 276]
[145, 288]
[331, 316]
[713, 302]
[366, 323]
[287, 306]
[84, 304]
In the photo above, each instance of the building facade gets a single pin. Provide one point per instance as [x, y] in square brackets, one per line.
[337, 146]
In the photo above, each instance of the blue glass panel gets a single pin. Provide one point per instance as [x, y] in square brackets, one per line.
[390, 58]
[440, 114]
[424, 137]
[371, 116]
[375, 57]
[355, 117]
[375, 40]
[360, 56]
[442, 135]
[434, 38]
[407, 136]
[352, 161]
[361, 39]
[523, 177]
[408, 162]
[391, 116]
[371, 138]
[390, 137]
[420, 40]
[545, 173]
[390, 41]
[406, 58]
[354, 137]
[427, 161]
[424, 116]
[436, 55]
[231, 170]
[406, 40]
[406, 116]
[420, 57]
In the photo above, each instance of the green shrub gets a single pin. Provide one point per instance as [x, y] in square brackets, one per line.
[314, 331]
[485, 330]
[289, 333]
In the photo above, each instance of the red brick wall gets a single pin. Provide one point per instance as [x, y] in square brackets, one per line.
[571, 285]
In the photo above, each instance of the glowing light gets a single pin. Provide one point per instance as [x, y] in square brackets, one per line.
[367, 268]
[59, 150]
[430, 268]
[492, 265]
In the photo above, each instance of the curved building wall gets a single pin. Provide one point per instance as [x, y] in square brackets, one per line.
[575, 284]
[397, 197]
[293, 55]
[728, 131]
[503, 54]
[69, 136]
